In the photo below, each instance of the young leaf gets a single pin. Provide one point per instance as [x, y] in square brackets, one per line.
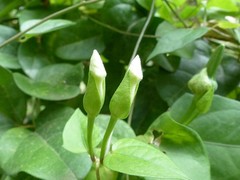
[40, 153]
[219, 130]
[133, 157]
[75, 133]
[46, 27]
[53, 82]
[191, 156]
[176, 39]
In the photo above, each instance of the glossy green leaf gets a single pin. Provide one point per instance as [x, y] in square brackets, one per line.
[75, 133]
[9, 61]
[177, 39]
[12, 100]
[219, 130]
[46, 27]
[182, 145]
[64, 74]
[8, 58]
[44, 90]
[81, 50]
[40, 153]
[32, 57]
[137, 158]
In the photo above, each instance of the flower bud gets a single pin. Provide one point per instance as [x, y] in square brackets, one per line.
[201, 83]
[203, 87]
[95, 93]
[123, 97]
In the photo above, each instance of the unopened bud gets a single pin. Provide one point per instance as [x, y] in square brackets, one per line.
[123, 97]
[95, 93]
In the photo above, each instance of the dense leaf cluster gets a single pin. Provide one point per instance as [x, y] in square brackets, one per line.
[173, 133]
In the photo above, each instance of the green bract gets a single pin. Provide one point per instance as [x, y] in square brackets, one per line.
[123, 97]
[95, 92]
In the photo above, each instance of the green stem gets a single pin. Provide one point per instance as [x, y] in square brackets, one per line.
[107, 137]
[137, 47]
[191, 113]
[98, 177]
[58, 13]
[121, 31]
[143, 30]
[90, 126]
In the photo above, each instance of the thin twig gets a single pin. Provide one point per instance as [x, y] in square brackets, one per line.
[121, 31]
[58, 13]
[143, 30]
[137, 47]
[175, 13]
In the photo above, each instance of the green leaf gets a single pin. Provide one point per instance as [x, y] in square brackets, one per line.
[44, 90]
[7, 6]
[8, 58]
[12, 100]
[228, 25]
[225, 5]
[46, 27]
[144, 3]
[40, 153]
[32, 59]
[9, 61]
[64, 74]
[10, 141]
[75, 133]
[182, 145]
[219, 130]
[82, 49]
[177, 39]
[134, 157]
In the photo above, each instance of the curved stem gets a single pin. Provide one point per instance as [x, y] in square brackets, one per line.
[107, 138]
[58, 13]
[137, 47]
[90, 126]
[143, 30]
[120, 31]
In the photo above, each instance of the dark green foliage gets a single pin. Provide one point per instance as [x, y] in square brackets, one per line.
[172, 133]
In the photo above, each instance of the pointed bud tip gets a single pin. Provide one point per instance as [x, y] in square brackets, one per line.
[96, 65]
[136, 68]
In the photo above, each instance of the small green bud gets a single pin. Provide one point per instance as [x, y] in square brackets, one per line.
[201, 83]
[123, 97]
[203, 87]
[95, 93]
